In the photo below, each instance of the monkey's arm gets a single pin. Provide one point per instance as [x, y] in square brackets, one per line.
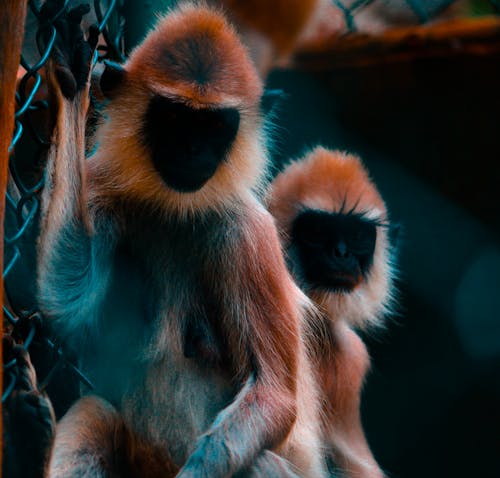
[262, 325]
[73, 250]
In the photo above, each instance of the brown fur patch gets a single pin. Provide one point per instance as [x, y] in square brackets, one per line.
[324, 180]
[167, 63]
[195, 55]
[281, 21]
[342, 373]
[263, 301]
[93, 431]
[341, 380]
[332, 181]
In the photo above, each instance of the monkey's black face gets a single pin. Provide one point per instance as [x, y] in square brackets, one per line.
[335, 251]
[187, 145]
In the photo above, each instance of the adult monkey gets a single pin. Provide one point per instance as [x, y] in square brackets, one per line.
[158, 258]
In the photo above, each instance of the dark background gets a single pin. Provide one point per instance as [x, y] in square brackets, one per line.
[429, 132]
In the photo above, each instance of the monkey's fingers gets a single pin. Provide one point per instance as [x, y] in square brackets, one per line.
[8, 347]
[23, 368]
[93, 36]
[75, 15]
[35, 408]
[71, 54]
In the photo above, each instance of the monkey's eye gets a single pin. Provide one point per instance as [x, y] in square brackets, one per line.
[313, 236]
[362, 240]
[309, 229]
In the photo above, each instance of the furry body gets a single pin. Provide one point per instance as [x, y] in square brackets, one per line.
[331, 215]
[136, 267]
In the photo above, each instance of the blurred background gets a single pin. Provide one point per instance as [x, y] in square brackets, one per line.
[412, 86]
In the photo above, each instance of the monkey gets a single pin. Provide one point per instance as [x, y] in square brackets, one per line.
[29, 420]
[271, 30]
[334, 227]
[158, 238]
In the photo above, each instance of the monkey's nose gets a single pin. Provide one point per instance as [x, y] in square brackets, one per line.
[341, 251]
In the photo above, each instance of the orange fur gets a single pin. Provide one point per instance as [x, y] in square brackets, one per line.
[332, 181]
[270, 29]
[98, 424]
[235, 263]
[324, 180]
[341, 374]
[159, 66]
[201, 60]
[281, 20]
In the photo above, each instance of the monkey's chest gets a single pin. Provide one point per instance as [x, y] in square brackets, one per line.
[174, 403]
[147, 361]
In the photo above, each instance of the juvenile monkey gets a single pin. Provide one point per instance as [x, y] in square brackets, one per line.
[158, 238]
[334, 227]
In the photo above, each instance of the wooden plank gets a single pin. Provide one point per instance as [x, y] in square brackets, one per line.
[12, 17]
[458, 37]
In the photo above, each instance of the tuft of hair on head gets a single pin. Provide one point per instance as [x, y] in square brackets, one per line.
[336, 182]
[195, 54]
[194, 57]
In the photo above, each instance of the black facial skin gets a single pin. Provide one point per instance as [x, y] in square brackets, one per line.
[334, 250]
[187, 145]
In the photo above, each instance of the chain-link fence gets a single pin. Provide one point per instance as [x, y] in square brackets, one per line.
[29, 145]
[392, 11]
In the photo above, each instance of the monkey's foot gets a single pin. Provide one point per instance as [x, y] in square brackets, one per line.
[29, 412]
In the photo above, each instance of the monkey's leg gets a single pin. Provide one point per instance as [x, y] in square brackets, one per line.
[350, 447]
[29, 420]
[200, 342]
[90, 442]
[235, 436]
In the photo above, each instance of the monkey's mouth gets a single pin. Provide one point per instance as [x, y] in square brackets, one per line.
[186, 180]
[343, 281]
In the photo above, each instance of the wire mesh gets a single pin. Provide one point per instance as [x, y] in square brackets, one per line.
[376, 16]
[32, 138]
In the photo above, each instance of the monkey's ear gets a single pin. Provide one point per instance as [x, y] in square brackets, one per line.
[112, 77]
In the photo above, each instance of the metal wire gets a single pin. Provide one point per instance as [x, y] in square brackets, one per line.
[389, 10]
[26, 183]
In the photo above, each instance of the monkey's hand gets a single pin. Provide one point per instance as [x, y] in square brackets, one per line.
[71, 53]
[29, 417]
